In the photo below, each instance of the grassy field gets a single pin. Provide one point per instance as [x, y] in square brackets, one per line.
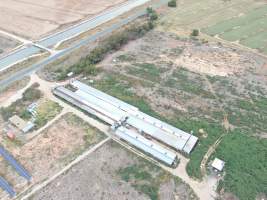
[46, 111]
[245, 177]
[244, 21]
[248, 29]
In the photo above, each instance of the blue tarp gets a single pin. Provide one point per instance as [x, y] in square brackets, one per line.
[9, 158]
[5, 186]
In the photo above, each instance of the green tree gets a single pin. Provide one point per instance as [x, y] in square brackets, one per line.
[195, 32]
[172, 3]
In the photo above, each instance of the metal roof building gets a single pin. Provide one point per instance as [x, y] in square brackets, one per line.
[6, 187]
[81, 103]
[114, 110]
[102, 106]
[146, 145]
[158, 129]
[9, 158]
[186, 142]
[105, 97]
[156, 133]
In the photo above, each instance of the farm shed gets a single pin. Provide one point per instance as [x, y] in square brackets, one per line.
[147, 146]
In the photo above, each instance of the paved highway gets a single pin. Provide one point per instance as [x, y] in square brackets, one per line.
[17, 56]
[31, 69]
[71, 32]
[27, 71]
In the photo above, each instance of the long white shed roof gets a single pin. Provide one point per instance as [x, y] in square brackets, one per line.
[80, 102]
[103, 96]
[185, 141]
[146, 145]
[156, 132]
[117, 109]
[102, 106]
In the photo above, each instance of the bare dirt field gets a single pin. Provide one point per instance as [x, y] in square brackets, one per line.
[50, 151]
[113, 173]
[32, 19]
[6, 44]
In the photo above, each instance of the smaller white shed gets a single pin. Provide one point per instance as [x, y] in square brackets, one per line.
[218, 164]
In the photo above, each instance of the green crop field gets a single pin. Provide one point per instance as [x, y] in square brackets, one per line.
[249, 29]
[243, 21]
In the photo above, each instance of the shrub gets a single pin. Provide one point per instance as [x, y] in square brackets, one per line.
[112, 43]
[152, 14]
[195, 32]
[31, 94]
[172, 3]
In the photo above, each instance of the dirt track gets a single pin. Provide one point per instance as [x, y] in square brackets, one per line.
[32, 19]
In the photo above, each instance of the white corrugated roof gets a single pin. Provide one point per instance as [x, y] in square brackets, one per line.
[102, 106]
[80, 102]
[101, 95]
[190, 144]
[156, 132]
[146, 145]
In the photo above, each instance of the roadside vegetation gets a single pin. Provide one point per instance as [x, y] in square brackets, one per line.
[109, 45]
[143, 178]
[17, 85]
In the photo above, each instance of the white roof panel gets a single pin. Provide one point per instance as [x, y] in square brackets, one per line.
[156, 132]
[80, 102]
[190, 144]
[101, 95]
[166, 127]
[102, 106]
[146, 145]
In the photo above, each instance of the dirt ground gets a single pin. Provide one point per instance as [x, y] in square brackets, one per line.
[50, 151]
[98, 177]
[6, 44]
[6, 93]
[212, 69]
[32, 19]
[193, 83]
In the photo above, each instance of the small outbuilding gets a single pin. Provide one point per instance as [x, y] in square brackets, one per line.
[21, 124]
[218, 164]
